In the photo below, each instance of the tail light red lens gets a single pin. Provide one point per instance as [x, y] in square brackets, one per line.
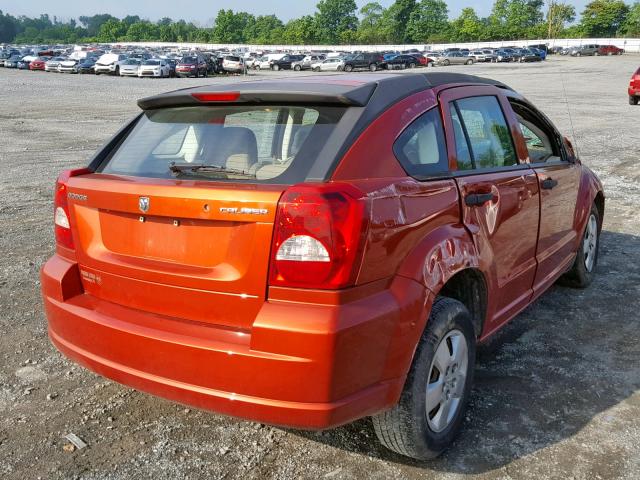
[62, 219]
[319, 235]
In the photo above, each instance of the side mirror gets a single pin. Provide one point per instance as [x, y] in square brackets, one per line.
[570, 150]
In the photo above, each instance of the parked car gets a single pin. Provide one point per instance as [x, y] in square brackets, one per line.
[527, 56]
[402, 61]
[609, 50]
[329, 65]
[368, 61]
[455, 58]
[24, 63]
[172, 62]
[634, 88]
[130, 67]
[109, 63]
[503, 56]
[541, 53]
[87, 65]
[154, 67]
[68, 65]
[585, 50]
[422, 60]
[286, 62]
[262, 63]
[12, 61]
[38, 63]
[51, 65]
[306, 62]
[357, 290]
[483, 55]
[191, 66]
[233, 64]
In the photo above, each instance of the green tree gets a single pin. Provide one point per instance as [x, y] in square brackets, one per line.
[631, 25]
[429, 21]
[301, 31]
[229, 26]
[111, 31]
[603, 18]
[93, 23]
[265, 30]
[558, 16]
[142, 31]
[334, 19]
[8, 27]
[467, 27]
[370, 28]
[512, 19]
[395, 20]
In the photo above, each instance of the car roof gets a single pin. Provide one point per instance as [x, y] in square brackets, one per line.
[342, 89]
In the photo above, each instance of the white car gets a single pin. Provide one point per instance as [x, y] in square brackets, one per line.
[262, 63]
[109, 63]
[69, 65]
[233, 64]
[130, 67]
[328, 65]
[52, 64]
[154, 68]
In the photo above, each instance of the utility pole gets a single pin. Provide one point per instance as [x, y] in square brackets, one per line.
[550, 13]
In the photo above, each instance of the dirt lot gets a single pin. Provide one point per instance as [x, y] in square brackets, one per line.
[558, 397]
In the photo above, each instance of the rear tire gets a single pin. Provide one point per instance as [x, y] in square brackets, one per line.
[348, 68]
[276, 68]
[469, 62]
[297, 68]
[373, 67]
[584, 266]
[633, 100]
[443, 365]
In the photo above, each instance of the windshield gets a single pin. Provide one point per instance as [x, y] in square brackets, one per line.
[152, 62]
[189, 60]
[249, 143]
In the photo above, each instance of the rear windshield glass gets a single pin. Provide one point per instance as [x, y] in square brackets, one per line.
[249, 143]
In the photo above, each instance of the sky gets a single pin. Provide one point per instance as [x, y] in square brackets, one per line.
[202, 12]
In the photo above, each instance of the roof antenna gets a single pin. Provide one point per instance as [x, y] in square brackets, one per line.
[566, 101]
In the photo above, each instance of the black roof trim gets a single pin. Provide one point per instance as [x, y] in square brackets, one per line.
[342, 89]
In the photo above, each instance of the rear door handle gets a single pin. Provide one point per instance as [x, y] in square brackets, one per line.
[476, 199]
[549, 183]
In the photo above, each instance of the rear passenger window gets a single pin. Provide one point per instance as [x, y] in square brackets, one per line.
[421, 147]
[487, 133]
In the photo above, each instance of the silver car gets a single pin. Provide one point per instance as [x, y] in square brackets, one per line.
[328, 65]
[306, 62]
[455, 58]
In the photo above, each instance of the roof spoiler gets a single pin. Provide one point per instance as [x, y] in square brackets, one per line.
[267, 94]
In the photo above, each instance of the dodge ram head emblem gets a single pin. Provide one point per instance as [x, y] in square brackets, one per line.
[143, 204]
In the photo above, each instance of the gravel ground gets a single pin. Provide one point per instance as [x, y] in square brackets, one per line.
[557, 394]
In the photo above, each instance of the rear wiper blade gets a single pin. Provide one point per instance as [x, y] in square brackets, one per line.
[178, 168]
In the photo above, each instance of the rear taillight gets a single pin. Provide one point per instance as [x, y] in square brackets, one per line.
[319, 235]
[61, 215]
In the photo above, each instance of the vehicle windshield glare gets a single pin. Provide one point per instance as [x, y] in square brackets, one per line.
[268, 144]
[152, 62]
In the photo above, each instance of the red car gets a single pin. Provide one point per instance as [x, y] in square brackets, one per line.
[310, 251]
[634, 88]
[38, 64]
[192, 66]
[609, 50]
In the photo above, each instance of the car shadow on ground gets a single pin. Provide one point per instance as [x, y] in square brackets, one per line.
[558, 366]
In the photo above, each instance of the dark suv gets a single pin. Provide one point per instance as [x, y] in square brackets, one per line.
[285, 62]
[370, 61]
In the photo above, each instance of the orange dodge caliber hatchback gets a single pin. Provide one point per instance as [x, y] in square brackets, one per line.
[306, 252]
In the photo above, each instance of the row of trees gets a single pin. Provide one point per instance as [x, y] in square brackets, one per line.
[340, 22]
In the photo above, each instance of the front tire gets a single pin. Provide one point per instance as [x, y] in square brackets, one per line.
[431, 409]
[373, 67]
[348, 68]
[297, 68]
[584, 266]
[633, 100]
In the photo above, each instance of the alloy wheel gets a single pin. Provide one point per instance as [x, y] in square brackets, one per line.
[447, 377]
[590, 243]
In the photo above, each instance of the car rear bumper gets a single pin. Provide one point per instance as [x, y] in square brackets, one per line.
[303, 365]
[634, 92]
